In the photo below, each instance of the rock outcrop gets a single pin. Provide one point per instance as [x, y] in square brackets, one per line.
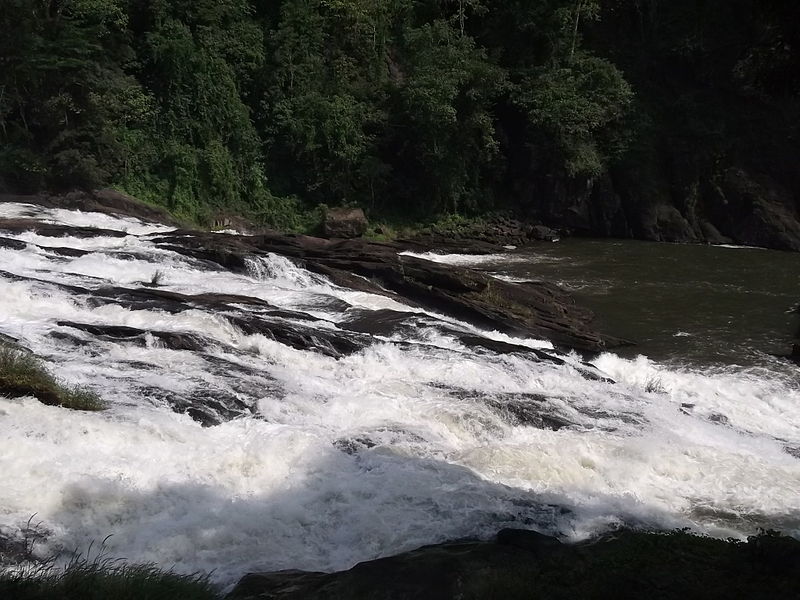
[529, 309]
[485, 236]
[103, 201]
[653, 202]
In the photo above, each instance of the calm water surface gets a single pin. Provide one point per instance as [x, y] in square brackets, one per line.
[702, 305]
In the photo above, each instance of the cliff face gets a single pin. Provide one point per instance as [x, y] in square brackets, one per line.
[738, 206]
[711, 137]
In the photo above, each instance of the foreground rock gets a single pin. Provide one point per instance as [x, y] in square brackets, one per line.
[523, 564]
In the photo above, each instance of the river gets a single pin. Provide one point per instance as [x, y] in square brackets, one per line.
[692, 305]
[317, 461]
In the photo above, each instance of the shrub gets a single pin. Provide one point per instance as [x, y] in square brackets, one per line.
[22, 374]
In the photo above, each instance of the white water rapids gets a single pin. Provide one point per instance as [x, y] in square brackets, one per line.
[332, 461]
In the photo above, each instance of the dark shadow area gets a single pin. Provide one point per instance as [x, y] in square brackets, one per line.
[368, 503]
[344, 508]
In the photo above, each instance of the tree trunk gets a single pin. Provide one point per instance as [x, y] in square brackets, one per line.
[576, 22]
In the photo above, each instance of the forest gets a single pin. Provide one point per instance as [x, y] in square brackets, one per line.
[410, 109]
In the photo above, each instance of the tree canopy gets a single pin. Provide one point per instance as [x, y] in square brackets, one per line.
[403, 107]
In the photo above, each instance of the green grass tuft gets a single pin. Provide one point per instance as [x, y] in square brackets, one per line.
[22, 374]
[103, 579]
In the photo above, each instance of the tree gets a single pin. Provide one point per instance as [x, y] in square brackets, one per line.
[59, 65]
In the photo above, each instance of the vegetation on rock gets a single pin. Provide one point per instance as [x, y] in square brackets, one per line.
[22, 374]
[102, 579]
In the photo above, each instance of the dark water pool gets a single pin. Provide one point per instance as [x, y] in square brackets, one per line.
[701, 305]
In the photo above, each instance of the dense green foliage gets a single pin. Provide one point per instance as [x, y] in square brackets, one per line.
[405, 107]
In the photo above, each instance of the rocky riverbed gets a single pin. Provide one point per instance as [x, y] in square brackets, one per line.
[287, 402]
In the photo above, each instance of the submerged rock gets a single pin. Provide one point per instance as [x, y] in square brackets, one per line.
[175, 340]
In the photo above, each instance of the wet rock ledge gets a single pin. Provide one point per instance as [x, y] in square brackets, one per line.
[536, 310]
[519, 565]
[529, 309]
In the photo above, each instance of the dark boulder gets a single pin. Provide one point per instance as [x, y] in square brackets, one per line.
[712, 235]
[543, 233]
[344, 223]
[665, 223]
[175, 340]
[755, 211]
[432, 572]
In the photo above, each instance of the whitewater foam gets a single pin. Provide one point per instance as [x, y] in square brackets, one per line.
[415, 439]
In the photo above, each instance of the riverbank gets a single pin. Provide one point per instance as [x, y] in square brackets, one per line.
[520, 564]
[483, 234]
[514, 565]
